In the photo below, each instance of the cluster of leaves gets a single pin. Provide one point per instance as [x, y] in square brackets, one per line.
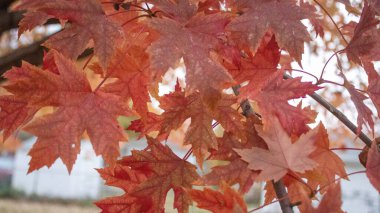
[223, 45]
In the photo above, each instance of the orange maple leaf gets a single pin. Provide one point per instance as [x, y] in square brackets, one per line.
[330, 203]
[329, 163]
[227, 202]
[272, 97]
[191, 36]
[87, 21]
[155, 171]
[290, 33]
[282, 155]
[79, 109]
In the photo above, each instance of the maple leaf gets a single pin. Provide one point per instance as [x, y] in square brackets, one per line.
[227, 202]
[236, 171]
[150, 124]
[258, 18]
[373, 163]
[129, 67]
[200, 133]
[165, 171]
[272, 98]
[315, 19]
[257, 68]
[373, 89]
[13, 114]
[282, 155]
[79, 109]
[365, 40]
[192, 37]
[329, 164]
[330, 203]
[364, 113]
[87, 21]
[126, 179]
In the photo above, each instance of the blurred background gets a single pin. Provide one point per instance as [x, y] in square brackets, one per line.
[54, 190]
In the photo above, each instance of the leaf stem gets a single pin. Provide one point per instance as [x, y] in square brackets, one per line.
[324, 67]
[338, 84]
[302, 71]
[349, 174]
[88, 61]
[328, 14]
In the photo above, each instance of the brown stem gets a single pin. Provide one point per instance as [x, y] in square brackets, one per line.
[344, 149]
[280, 189]
[279, 186]
[338, 114]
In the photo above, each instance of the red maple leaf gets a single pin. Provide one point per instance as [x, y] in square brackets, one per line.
[373, 89]
[329, 163]
[227, 202]
[200, 133]
[258, 18]
[86, 21]
[129, 67]
[365, 40]
[14, 113]
[364, 113]
[191, 36]
[272, 98]
[282, 155]
[154, 172]
[236, 171]
[79, 109]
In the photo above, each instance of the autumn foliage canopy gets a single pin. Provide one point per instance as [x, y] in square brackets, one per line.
[236, 54]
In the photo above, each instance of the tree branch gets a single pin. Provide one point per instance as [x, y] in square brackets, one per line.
[281, 192]
[338, 114]
[32, 53]
[278, 186]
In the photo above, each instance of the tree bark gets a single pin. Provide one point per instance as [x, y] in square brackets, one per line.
[282, 195]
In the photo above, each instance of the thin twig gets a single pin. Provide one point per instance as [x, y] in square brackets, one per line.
[339, 178]
[328, 14]
[324, 67]
[344, 149]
